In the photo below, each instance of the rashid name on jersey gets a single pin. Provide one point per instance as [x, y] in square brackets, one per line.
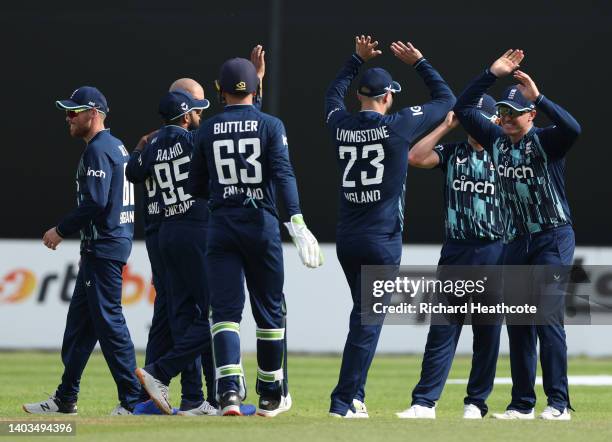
[531, 172]
[164, 163]
[105, 200]
[471, 197]
[372, 150]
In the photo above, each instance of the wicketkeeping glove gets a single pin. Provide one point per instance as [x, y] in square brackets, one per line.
[306, 243]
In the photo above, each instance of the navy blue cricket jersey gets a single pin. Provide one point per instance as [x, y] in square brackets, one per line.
[531, 172]
[372, 150]
[471, 197]
[105, 200]
[165, 159]
[241, 159]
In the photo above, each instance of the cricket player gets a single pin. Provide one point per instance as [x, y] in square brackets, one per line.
[241, 160]
[182, 231]
[372, 148]
[530, 163]
[105, 218]
[473, 237]
[160, 337]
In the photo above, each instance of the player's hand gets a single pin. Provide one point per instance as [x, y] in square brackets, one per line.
[451, 121]
[306, 243]
[527, 86]
[406, 52]
[366, 48]
[51, 239]
[258, 60]
[145, 139]
[507, 63]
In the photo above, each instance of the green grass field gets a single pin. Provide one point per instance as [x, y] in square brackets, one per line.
[24, 377]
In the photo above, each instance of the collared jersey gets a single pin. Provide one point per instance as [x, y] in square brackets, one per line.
[471, 195]
[105, 200]
[530, 172]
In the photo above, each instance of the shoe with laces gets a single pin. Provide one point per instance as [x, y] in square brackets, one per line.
[417, 412]
[552, 414]
[514, 414]
[51, 406]
[471, 411]
[203, 410]
[156, 390]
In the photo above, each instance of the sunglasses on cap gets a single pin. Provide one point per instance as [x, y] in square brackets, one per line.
[73, 113]
[504, 111]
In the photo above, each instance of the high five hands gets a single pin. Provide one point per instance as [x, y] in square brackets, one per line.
[507, 63]
[365, 47]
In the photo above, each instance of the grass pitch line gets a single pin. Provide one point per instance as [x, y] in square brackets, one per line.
[602, 380]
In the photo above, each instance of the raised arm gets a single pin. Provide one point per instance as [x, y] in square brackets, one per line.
[423, 154]
[481, 129]
[365, 49]
[416, 120]
[259, 61]
[556, 140]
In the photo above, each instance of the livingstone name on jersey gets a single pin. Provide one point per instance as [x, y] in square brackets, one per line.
[362, 136]
[169, 153]
[226, 127]
[126, 217]
[520, 172]
[256, 194]
[465, 185]
[369, 196]
[177, 209]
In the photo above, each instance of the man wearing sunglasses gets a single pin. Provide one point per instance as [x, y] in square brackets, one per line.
[530, 162]
[105, 218]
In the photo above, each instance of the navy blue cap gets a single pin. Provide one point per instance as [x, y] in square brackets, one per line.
[486, 106]
[177, 103]
[377, 81]
[513, 98]
[85, 97]
[238, 75]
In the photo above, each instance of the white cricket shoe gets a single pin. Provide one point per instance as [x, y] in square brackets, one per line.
[50, 406]
[514, 414]
[156, 389]
[349, 415]
[119, 410]
[203, 410]
[471, 411]
[552, 414]
[417, 412]
[360, 409]
[270, 407]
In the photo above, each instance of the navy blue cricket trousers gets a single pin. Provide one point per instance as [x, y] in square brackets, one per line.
[442, 339]
[95, 314]
[354, 252]
[160, 336]
[182, 245]
[246, 241]
[554, 247]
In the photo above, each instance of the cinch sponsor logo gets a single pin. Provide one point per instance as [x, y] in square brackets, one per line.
[465, 185]
[520, 172]
[21, 284]
[96, 173]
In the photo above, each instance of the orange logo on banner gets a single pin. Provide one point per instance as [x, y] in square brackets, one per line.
[134, 288]
[17, 285]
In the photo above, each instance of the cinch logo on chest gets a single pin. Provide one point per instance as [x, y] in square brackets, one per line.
[518, 172]
[96, 173]
[466, 185]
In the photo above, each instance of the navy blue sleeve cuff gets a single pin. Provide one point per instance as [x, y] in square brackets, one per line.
[539, 99]
[358, 59]
[418, 62]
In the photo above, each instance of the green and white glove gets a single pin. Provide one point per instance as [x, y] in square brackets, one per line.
[306, 243]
